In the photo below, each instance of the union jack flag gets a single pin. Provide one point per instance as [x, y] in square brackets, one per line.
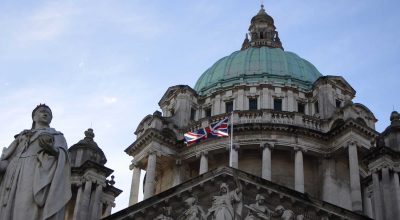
[217, 129]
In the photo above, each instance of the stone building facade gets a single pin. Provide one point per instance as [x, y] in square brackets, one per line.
[299, 141]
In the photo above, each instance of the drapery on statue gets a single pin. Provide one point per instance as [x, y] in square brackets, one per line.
[228, 205]
[258, 210]
[193, 211]
[35, 172]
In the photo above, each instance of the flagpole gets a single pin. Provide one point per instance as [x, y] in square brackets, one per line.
[231, 147]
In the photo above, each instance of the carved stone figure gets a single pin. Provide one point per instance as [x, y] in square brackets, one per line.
[193, 211]
[35, 171]
[227, 205]
[165, 215]
[258, 211]
[285, 214]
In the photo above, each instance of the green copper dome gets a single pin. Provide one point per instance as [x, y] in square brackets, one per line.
[258, 65]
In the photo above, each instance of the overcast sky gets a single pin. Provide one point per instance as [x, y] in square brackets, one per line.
[106, 64]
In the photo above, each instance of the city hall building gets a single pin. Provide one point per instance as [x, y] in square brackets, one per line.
[301, 148]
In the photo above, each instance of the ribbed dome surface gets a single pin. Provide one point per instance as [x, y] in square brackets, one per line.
[258, 65]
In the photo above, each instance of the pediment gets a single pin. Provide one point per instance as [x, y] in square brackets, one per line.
[204, 195]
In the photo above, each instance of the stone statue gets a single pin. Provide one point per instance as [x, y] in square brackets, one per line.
[258, 211]
[193, 211]
[227, 205]
[35, 172]
[165, 215]
[285, 214]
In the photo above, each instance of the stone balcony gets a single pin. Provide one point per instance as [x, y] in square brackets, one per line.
[263, 116]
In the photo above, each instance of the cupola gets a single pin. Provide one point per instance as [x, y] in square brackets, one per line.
[86, 149]
[262, 32]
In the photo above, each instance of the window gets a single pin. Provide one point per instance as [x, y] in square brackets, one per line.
[253, 104]
[261, 35]
[278, 104]
[207, 112]
[228, 106]
[338, 103]
[300, 107]
[316, 107]
[192, 114]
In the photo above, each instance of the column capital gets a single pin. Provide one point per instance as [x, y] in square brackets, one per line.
[236, 147]
[351, 143]
[133, 165]
[151, 152]
[268, 145]
[202, 153]
[297, 149]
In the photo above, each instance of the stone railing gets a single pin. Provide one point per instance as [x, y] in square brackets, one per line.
[263, 116]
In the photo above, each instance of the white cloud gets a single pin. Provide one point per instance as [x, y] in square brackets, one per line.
[110, 100]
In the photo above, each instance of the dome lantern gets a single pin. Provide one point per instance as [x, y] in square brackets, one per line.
[262, 31]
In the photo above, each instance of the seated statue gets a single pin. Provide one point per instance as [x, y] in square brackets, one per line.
[258, 211]
[35, 172]
[193, 211]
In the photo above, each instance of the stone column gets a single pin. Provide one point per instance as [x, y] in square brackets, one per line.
[96, 208]
[377, 197]
[108, 209]
[397, 190]
[234, 157]
[150, 175]
[266, 161]
[387, 194]
[203, 162]
[86, 200]
[298, 171]
[355, 188]
[78, 203]
[178, 172]
[133, 198]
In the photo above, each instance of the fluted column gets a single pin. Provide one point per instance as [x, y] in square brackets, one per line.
[96, 206]
[78, 203]
[203, 162]
[234, 157]
[150, 175]
[133, 198]
[266, 161]
[86, 200]
[377, 197]
[355, 187]
[298, 170]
